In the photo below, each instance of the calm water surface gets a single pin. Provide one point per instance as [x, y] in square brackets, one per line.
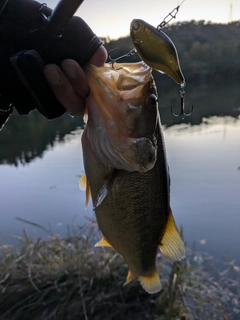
[39, 181]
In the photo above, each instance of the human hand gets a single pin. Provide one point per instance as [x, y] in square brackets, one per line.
[69, 82]
[19, 20]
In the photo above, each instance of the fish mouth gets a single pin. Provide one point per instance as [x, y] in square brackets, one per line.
[116, 105]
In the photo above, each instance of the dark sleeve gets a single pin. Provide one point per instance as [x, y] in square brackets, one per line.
[26, 46]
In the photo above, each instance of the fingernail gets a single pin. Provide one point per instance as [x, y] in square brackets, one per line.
[52, 76]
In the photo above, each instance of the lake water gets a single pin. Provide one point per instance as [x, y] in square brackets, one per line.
[41, 162]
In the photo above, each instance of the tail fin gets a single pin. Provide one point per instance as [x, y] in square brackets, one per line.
[151, 283]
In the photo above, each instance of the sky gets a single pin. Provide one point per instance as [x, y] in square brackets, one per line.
[112, 18]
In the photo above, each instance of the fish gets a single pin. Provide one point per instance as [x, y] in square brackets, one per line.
[131, 201]
[156, 49]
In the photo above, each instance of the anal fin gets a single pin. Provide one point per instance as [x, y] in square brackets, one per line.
[151, 283]
[103, 243]
[130, 277]
[172, 245]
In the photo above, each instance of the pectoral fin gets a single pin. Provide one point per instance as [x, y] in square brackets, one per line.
[103, 243]
[84, 185]
[151, 283]
[171, 244]
[107, 186]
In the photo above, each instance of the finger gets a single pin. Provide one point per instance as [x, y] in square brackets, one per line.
[99, 57]
[76, 76]
[63, 90]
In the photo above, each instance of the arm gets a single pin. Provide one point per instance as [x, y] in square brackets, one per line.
[19, 33]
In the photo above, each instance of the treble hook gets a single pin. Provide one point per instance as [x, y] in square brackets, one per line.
[112, 61]
[182, 112]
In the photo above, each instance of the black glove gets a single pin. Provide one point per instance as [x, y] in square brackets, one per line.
[26, 45]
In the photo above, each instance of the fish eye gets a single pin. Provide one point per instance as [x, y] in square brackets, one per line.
[136, 25]
[152, 101]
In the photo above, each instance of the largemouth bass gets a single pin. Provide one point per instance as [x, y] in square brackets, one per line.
[132, 206]
[156, 49]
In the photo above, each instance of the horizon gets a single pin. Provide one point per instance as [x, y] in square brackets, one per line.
[113, 21]
[108, 39]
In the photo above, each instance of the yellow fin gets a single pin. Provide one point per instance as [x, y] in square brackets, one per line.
[102, 243]
[151, 283]
[171, 244]
[130, 277]
[82, 182]
[84, 185]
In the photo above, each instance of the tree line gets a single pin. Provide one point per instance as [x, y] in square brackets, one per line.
[205, 49]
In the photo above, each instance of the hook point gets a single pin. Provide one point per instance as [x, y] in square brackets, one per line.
[182, 113]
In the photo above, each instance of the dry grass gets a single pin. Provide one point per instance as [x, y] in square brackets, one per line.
[67, 278]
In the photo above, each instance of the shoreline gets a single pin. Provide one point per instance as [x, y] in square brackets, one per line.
[67, 278]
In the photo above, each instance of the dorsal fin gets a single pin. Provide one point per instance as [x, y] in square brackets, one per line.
[84, 185]
[171, 244]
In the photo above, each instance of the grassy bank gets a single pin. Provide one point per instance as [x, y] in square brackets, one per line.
[67, 278]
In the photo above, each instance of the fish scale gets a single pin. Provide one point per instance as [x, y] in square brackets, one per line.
[145, 205]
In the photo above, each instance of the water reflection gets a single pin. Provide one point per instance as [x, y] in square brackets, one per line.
[209, 99]
[26, 137]
[204, 162]
[44, 191]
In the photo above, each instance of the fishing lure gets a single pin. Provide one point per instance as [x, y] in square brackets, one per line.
[158, 51]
